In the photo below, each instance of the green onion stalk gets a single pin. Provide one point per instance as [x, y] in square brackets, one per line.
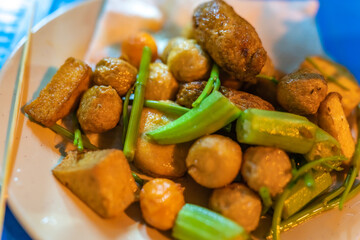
[270, 78]
[126, 113]
[139, 93]
[264, 193]
[166, 107]
[78, 142]
[214, 75]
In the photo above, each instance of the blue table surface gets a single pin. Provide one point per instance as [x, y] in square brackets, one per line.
[338, 24]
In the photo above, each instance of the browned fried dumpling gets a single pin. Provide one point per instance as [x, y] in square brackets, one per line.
[229, 39]
[189, 92]
[302, 92]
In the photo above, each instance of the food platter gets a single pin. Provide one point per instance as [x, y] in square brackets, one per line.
[45, 208]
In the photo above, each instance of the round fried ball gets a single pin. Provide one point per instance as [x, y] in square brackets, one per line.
[160, 201]
[156, 159]
[132, 48]
[116, 73]
[266, 167]
[214, 161]
[99, 110]
[161, 85]
[238, 203]
[188, 62]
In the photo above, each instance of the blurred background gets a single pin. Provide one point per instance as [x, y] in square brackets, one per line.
[337, 22]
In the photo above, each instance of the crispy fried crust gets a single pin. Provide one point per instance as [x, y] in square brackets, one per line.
[61, 94]
[302, 92]
[333, 120]
[189, 92]
[229, 39]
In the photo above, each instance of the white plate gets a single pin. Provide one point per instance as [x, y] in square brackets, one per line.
[43, 206]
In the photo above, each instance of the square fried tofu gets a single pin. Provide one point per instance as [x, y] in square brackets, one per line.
[61, 94]
[102, 179]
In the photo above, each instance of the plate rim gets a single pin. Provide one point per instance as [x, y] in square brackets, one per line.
[57, 13]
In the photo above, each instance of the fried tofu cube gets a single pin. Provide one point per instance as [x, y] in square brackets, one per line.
[61, 94]
[102, 179]
[332, 119]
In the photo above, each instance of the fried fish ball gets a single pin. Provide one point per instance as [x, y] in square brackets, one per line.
[214, 161]
[171, 44]
[116, 73]
[188, 62]
[266, 167]
[238, 203]
[61, 94]
[132, 48]
[100, 109]
[161, 85]
[160, 201]
[302, 92]
[229, 39]
[155, 159]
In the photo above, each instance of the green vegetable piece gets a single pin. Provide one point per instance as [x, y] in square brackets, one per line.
[214, 75]
[287, 131]
[309, 180]
[215, 112]
[264, 193]
[300, 194]
[69, 135]
[125, 113]
[194, 222]
[168, 107]
[325, 146]
[138, 103]
[78, 142]
[316, 209]
[270, 78]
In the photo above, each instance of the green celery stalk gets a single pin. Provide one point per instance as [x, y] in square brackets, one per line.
[287, 131]
[166, 107]
[213, 113]
[138, 103]
[194, 222]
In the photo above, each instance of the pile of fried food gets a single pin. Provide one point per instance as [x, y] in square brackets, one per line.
[266, 142]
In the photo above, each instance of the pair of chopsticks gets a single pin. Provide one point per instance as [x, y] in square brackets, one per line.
[14, 120]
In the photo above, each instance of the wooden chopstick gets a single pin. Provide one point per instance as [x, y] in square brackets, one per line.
[14, 120]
